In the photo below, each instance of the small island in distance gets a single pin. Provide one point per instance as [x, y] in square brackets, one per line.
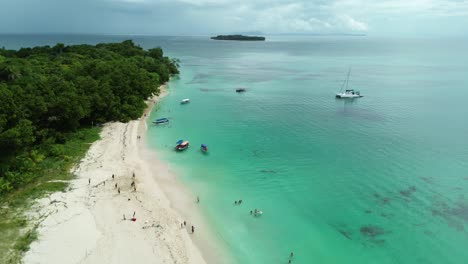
[239, 37]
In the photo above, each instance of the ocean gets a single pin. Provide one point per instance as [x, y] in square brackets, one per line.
[379, 179]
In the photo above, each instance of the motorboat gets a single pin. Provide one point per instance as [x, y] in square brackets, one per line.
[182, 145]
[258, 212]
[161, 121]
[240, 90]
[185, 101]
[204, 148]
[348, 93]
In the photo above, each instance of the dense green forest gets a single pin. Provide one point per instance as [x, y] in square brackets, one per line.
[48, 95]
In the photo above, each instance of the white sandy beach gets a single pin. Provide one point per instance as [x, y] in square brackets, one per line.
[86, 224]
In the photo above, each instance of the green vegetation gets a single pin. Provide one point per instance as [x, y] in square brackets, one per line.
[52, 98]
[238, 37]
[53, 173]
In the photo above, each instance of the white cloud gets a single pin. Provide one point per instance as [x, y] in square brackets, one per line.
[224, 16]
[353, 24]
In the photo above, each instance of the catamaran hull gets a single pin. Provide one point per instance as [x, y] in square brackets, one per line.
[348, 96]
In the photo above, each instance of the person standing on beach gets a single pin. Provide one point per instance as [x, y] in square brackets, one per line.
[118, 190]
[134, 175]
[89, 181]
[193, 229]
[116, 185]
[112, 176]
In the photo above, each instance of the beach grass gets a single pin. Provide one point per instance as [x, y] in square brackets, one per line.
[53, 175]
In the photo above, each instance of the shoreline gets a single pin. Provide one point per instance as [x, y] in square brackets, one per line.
[90, 223]
[183, 200]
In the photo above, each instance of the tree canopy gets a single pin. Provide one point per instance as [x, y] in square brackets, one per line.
[46, 93]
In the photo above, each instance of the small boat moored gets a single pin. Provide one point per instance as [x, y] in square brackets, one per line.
[240, 90]
[182, 145]
[204, 148]
[161, 121]
[185, 101]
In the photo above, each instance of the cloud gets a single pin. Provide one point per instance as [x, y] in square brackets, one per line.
[194, 17]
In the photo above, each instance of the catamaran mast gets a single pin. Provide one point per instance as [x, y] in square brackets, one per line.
[347, 78]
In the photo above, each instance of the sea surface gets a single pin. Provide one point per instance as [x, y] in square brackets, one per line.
[379, 179]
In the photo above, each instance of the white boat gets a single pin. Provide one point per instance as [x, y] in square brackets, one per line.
[185, 101]
[348, 93]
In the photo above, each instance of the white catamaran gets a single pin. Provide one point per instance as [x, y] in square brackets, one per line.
[348, 93]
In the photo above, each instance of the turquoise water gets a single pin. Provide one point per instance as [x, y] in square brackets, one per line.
[381, 179]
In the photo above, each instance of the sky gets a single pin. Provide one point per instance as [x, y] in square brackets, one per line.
[207, 17]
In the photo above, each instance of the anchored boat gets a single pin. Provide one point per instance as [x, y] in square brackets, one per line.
[185, 101]
[240, 90]
[161, 121]
[182, 145]
[348, 93]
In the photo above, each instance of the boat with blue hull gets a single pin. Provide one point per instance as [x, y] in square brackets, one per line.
[161, 121]
[204, 148]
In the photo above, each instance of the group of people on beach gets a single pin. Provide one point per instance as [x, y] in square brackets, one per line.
[184, 224]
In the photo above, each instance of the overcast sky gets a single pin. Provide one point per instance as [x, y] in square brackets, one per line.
[204, 17]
